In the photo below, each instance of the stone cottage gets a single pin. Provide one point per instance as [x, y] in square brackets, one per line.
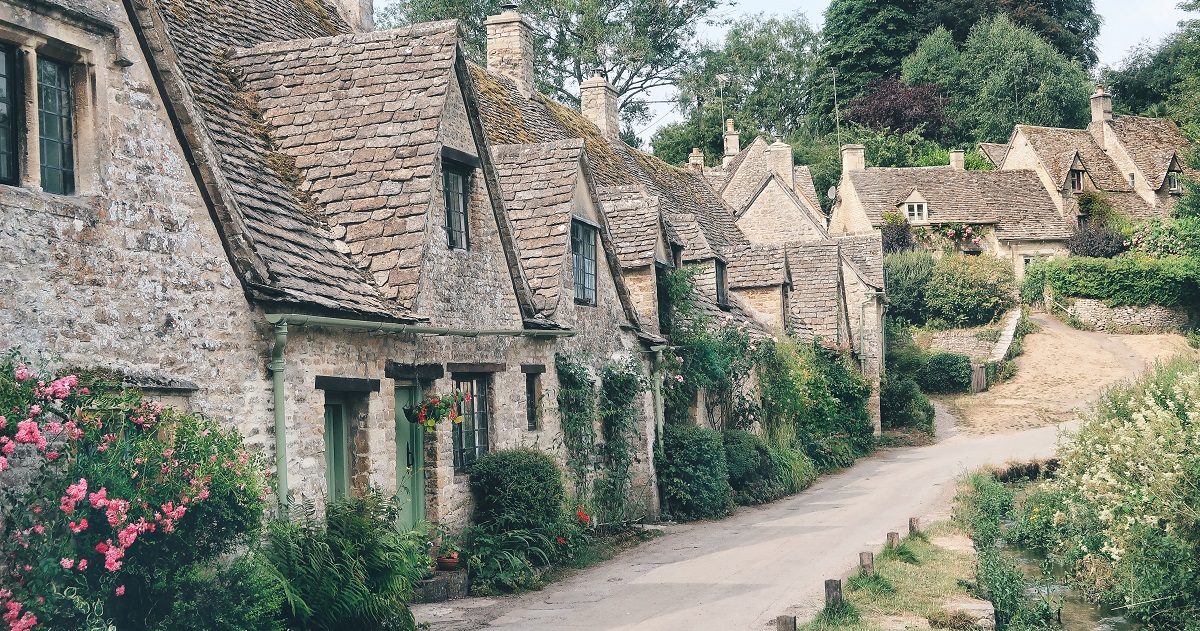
[1135, 162]
[1009, 212]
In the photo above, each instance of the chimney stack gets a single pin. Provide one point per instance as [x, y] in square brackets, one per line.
[732, 144]
[598, 103]
[1101, 105]
[958, 159]
[359, 14]
[696, 160]
[510, 47]
[779, 155]
[854, 158]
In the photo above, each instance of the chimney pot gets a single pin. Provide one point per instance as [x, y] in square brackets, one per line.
[1101, 106]
[733, 144]
[598, 103]
[696, 159]
[854, 158]
[958, 159]
[510, 47]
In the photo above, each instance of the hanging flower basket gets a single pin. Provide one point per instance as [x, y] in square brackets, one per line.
[435, 409]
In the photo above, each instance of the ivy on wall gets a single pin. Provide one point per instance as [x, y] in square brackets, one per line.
[577, 415]
[620, 387]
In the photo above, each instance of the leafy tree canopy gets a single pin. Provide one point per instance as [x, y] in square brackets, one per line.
[889, 104]
[1163, 79]
[1071, 26]
[638, 44]
[1004, 75]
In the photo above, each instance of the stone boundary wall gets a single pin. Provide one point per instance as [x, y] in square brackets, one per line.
[1012, 320]
[964, 342]
[1127, 319]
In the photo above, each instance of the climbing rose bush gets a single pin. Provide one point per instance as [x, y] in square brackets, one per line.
[107, 500]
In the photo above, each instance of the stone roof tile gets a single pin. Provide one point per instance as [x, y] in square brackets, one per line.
[994, 151]
[815, 297]
[1152, 143]
[757, 266]
[634, 220]
[865, 252]
[1057, 148]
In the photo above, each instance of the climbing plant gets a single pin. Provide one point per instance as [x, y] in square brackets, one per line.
[620, 385]
[577, 412]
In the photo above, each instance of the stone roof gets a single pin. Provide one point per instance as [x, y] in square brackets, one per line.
[358, 117]
[510, 117]
[538, 184]
[865, 252]
[815, 297]
[1057, 148]
[283, 251]
[634, 221]
[757, 266]
[1152, 143]
[994, 151]
[1014, 201]
[805, 187]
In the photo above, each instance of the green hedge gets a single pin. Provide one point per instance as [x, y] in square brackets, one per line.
[945, 373]
[753, 473]
[901, 404]
[1126, 280]
[516, 489]
[969, 290]
[693, 477]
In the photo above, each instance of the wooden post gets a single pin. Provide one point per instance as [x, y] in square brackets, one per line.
[785, 623]
[866, 563]
[893, 539]
[914, 525]
[833, 592]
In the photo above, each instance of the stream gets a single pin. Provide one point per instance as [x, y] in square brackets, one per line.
[1077, 613]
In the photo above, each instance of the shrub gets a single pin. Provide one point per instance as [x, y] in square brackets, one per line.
[970, 290]
[520, 488]
[945, 373]
[1096, 240]
[897, 233]
[244, 595]
[111, 504]
[795, 469]
[903, 357]
[506, 560]
[350, 570]
[693, 477]
[1162, 238]
[901, 404]
[752, 470]
[1125, 280]
[908, 274]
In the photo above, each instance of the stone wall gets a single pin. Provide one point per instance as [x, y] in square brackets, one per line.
[776, 217]
[974, 343]
[1128, 319]
[642, 284]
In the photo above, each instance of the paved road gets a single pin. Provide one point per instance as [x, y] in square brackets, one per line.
[742, 572]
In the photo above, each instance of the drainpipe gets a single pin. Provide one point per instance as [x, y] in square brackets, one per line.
[656, 391]
[277, 366]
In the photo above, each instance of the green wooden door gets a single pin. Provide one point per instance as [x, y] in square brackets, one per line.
[410, 459]
[337, 476]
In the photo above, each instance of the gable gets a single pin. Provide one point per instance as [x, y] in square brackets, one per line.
[776, 215]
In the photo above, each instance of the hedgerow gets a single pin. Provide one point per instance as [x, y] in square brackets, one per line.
[969, 290]
[1125, 280]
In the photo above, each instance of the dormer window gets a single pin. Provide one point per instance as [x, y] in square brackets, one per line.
[915, 211]
[454, 189]
[722, 284]
[1132, 181]
[583, 254]
[1075, 180]
[1174, 182]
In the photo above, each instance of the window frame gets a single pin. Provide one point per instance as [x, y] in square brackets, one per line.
[721, 272]
[456, 238]
[533, 395]
[66, 122]
[585, 279]
[14, 83]
[1174, 182]
[916, 212]
[473, 412]
[1075, 181]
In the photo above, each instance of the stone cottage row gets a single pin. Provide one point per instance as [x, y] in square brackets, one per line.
[263, 212]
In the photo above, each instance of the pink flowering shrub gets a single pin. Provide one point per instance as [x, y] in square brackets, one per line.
[107, 501]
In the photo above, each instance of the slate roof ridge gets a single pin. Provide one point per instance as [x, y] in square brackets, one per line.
[423, 29]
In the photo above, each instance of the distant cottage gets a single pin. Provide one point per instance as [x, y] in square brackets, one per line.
[255, 211]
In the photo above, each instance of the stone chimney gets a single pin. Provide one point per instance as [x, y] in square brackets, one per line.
[598, 103]
[359, 14]
[854, 158]
[696, 160]
[779, 155]
[733, 145]
[1101, 105]
[510, 47]
[958, 159]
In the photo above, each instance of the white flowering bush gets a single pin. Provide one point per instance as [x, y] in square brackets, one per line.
[1124, 509]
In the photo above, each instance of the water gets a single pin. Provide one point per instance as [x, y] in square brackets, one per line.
[1077, 614]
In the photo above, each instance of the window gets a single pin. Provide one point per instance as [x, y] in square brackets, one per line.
[915, 211]
[454, 190]
[722, 292]
[533, 395]
[1173, 182]
[10, 130]
[1075, 180]
[471, 435]
[337, 475]
[1132, 182]
[55, 128]
[583, 251]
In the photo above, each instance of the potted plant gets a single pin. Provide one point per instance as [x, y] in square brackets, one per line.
[436, 409]
[448, 551]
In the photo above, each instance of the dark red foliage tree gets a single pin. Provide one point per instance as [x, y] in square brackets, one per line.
[889, 104]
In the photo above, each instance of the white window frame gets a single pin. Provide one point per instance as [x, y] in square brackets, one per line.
[1075, 181]
[1174, 183]
[916, 212]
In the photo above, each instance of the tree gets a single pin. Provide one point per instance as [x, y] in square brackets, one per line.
[1071, 26]
[1004, 75]
[889, 104]
[704, 129]
[639, 45]
[1162, 80]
